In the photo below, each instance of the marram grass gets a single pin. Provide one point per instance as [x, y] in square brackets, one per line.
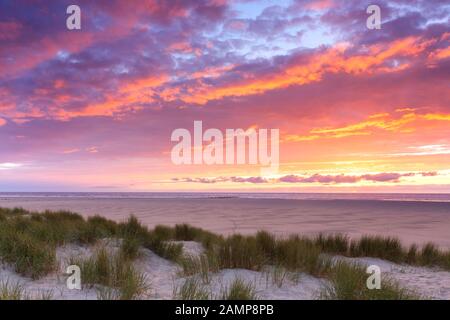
[28, 243]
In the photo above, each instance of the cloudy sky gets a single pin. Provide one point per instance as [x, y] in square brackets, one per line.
[94, 109]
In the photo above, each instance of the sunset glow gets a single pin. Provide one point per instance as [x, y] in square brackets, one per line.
[358, 110]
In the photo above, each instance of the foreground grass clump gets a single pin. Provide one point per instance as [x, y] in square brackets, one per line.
[16, 291]
[114, 271]
[12, 291]
[239, 290]
[301, 254]
[28, 256]
[184, 232]
[239, 251]
[135, 235]
[333, 243]
[7, 212]
[380, 247]
[429, 255]
[255, 252]
[389, 248]
[163, 248]
[28, 240]
[348, 282]
[191, 289]
[201, 265]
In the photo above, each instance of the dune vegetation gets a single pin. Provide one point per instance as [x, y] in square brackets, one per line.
[28, 242]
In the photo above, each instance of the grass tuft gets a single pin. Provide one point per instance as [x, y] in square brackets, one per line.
[114, 271]
[240, 290]
[29, 256]
[191, 289]
[11, 291]
[200, 265]
[348, 282]
[379, 247]
[332, 243]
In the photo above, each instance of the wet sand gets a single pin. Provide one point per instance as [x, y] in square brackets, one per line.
[411, 221]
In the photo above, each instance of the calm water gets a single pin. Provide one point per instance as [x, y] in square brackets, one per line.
[202, 195]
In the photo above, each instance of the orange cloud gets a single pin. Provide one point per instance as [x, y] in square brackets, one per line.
[70, 151]
[332, 60]
[213, 72]
[437, 116]
[129, 97]
[378, 121]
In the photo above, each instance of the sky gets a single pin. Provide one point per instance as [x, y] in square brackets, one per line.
[357, 109]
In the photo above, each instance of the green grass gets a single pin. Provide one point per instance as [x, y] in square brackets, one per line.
[332, 243]
[389, 248]
[278, 275]
[114, 271]
[348, 282]
[12, 291]
[267, 243]
[191, 289]
[28, 242]
[185, 232]
[239, 290]
[28, 256]
[255, 252]
[429, 255]
[129, 248]
[239, 251]
[7, 212]
[201, 265]
[301, 254]
[163, 247]
[16, 291]
[379, 247]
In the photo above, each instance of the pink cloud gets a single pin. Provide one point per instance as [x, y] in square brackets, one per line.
[10, 30]
[315, 178]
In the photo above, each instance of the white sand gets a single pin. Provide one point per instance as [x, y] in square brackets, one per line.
[54, 283]
[163, 276]
[430, 282]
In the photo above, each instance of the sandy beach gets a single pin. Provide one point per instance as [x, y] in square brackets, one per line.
[411, 221]
[299, 268]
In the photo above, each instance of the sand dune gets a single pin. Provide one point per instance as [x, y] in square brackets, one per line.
[164, 277]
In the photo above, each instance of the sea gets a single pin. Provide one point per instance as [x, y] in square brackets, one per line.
[413, 218]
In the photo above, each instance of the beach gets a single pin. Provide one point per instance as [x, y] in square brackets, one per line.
[122, 257]
[411, 221]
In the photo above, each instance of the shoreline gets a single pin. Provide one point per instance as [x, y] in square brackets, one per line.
[412, 222]
[385, 196]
